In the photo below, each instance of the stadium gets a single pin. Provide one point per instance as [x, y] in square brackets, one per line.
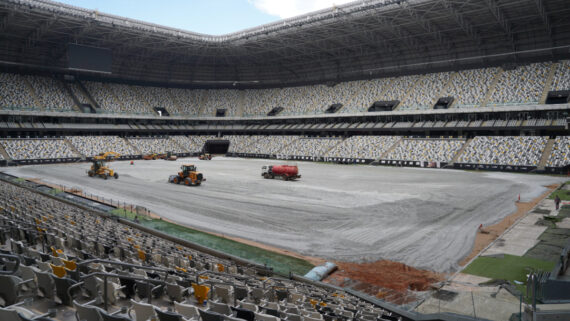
[377, 160]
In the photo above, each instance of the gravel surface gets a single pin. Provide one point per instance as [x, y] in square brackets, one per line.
[426, 218]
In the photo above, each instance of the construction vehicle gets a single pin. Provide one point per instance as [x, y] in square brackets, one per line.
[287, 172]
[188, 176]
[150, 156]
[205, 156]
[99, 168]
[170, 156]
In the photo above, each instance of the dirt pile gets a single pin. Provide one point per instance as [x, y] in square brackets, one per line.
[384, 279]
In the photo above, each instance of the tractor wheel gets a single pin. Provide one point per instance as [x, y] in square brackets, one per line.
[266, 175]
[90, 173]
[285, 178]
[187, 181]
[105, 176]
[176, 180]
[116, 176]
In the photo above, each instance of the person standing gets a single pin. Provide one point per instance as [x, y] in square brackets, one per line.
[557, 202]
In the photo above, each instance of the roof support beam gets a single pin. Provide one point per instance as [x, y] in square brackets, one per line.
[428, 26]
[36, 35]
[544, 16]
[465, 25]
[503, 22]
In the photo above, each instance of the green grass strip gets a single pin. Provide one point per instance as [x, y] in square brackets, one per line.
[562, 193]
[281, 264]
[510, 267]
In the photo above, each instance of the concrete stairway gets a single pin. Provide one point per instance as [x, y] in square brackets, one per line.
[326, 154]
[444, 89]
[409, 92]
[133, 146]
[460, 152]
[387, 152]
[492, 88]
[72, 147]
[87, 94]
[201, 104]
[4, 153]
[32, 93]
[240, 104]
[548, 83]
[77, 103]
[545, 154]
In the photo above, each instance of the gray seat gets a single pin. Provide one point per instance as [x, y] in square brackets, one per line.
[220, 308]
[110, 317]
[175, 292]
[87, 312]
[9, 315]
[210, 315]
[61, 287]
[10, 288]
[46, 284]
[186, 310]
[143, 311]
[168, 316]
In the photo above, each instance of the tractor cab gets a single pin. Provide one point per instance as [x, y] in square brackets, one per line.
[97, 164]
[186, 169]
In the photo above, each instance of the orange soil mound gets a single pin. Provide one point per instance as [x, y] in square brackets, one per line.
[492, 232]
[384, 274]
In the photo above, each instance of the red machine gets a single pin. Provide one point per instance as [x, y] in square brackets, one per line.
[287, 172]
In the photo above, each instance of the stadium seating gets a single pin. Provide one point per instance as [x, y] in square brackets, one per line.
[118, 98]
[94, 145]
[425, 93]
[213, 99]
[427, 150]
[522, 85]
[363, 147]
[51, 94]
[561, 80]
[369, 92]
[504, 150]
[399, 88]
[309, 146]
[16, 92]
[560, 155]
[47, 148]
[192, 144]
[469, 87]
[482, 150]
[148, 145]
[185, 102]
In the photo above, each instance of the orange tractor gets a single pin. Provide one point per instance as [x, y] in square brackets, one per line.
[205, 156]
[188, 176]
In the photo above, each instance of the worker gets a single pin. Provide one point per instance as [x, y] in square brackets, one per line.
[557, 202]
[136, 219]
[132, 162]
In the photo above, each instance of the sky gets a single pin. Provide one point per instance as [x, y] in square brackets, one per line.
[212, 17]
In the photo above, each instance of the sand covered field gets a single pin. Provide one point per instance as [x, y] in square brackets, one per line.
[426, 218]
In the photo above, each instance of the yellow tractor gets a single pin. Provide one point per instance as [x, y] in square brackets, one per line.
[188, 176]
[99, 168]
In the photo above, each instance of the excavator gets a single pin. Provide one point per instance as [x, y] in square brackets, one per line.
[188, 176]
[99, 168]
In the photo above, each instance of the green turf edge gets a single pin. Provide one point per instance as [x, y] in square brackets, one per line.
[510, 267]
[282, 264]
[562, 193]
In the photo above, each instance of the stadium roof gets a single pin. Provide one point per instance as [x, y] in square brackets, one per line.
[367, 38]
